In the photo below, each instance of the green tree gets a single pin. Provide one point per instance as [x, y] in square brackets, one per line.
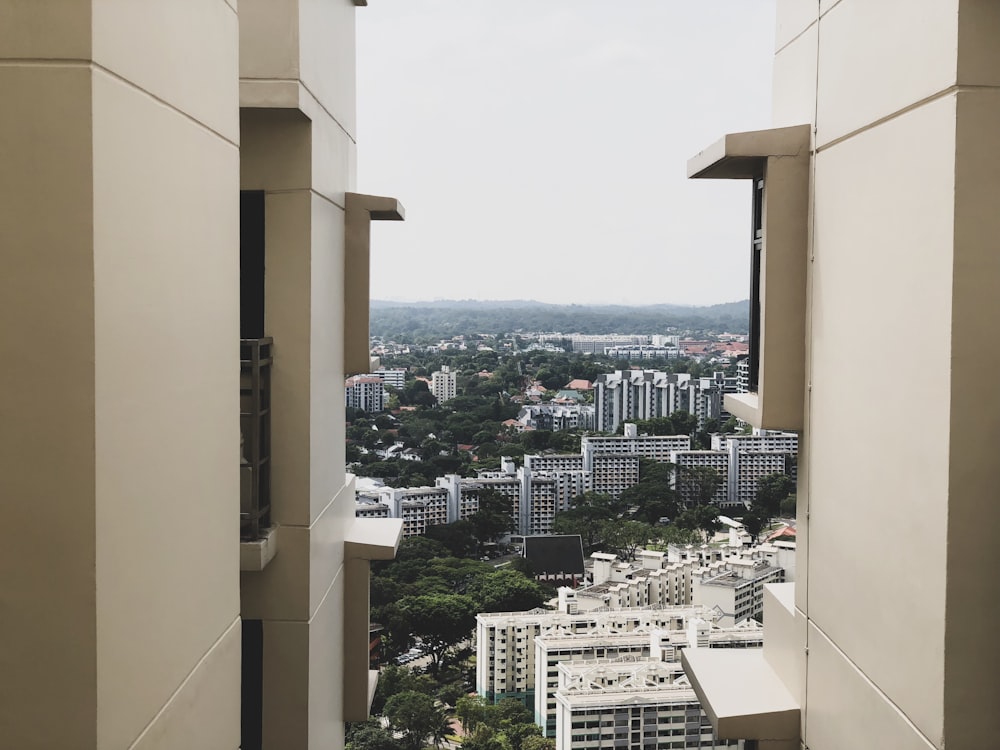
[754, 521]
[485, 738]
[521, 732]
[653, 496]
[701, 517]
[671, 533]
[458, 537]
[771, 491]
[471, 711]
[494, 516]
[587, 517]
[414, 714]
[440, 620]
[370, 735]
[538, 743]
[506, 590]
[394, 679]
[699, 483]
[625, 537]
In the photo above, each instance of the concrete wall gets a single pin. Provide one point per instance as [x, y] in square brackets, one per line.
[119, 183]
[298, 145]
[905, 106]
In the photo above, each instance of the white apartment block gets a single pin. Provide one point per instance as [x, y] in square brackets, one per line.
[555, 462]
[653, 581]
[717, 460]
[663, 579]
[548, 493]
[609, 464]
[443, 384]
[613, 473]
[625, 395]
[598, 344]
[661, 340]
[630, 703]
[735, 588]
[754, 456]
[367, 507]
[655, 447]
[640, 353]
[505, 650]
[365, 392]
[557, 417]
[418, 507]
[747, 469]
[665, 643]
[771, 441]
[394, 376]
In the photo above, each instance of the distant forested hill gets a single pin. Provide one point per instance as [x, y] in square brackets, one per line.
[450, 318]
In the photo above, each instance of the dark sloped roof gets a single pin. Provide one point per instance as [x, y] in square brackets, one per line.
[551, 554]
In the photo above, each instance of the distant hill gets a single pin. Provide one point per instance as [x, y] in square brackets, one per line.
[447, 318]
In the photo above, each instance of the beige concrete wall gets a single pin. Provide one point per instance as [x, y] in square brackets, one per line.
[327, 49]
[876, 208]
[126, 255]
[269, 39]
[876, 59]
[166, 331]
[972, 669]
[304, 158]
[893, 551]
[47, 648]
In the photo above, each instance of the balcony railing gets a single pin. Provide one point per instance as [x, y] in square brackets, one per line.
[255, 432]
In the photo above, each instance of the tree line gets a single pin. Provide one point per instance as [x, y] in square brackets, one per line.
[428, 322]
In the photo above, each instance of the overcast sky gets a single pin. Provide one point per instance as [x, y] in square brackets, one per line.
[540, 146]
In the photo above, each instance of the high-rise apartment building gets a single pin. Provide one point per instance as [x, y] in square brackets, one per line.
[505, 641]
[365, 392]
[632, 703]
[443, 384]
[626, 395]
[394, 376]
[556, 649]
[157, 157]
[600, 343]
[873, 202]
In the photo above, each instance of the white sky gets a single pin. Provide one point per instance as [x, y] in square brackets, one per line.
[540, 146]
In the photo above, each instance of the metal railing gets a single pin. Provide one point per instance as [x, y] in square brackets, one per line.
[255, 433]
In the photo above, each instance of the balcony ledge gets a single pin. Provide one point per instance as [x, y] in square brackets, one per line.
[256, 554]
[742, 695]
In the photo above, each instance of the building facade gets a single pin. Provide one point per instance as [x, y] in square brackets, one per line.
[366, 392]
[632, 703]
[875, 188]
[444, 384]
[144, 145]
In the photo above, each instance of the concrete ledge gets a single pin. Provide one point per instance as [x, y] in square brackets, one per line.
[373, 538]
[745, 406]
[255, 555]
[743, 697]
[270, 93]
[740, 156]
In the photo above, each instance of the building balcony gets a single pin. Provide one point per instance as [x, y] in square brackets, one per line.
[258, 539]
